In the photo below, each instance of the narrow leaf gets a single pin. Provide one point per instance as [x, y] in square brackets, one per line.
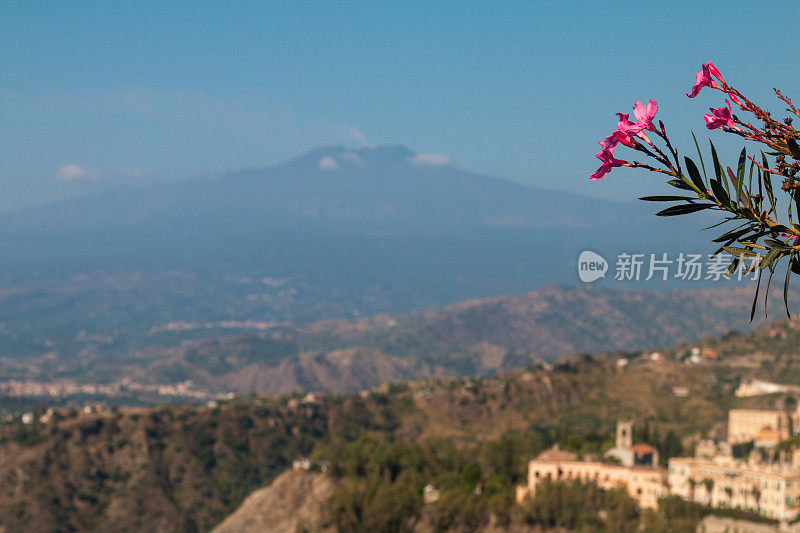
[786, 287]
[768, 182]
[732, 267]
[737, 251]
[717, 167]
[793, 148]
[665, 198]
[680, 184]
[766, 290]
[777, 244]
[740, 196]
[700, 155]
[769, 257]
[755, 296]
[719, 192]
[683, 209]
[733, 234]
[740, 179]
[694, 174]
[741, 165]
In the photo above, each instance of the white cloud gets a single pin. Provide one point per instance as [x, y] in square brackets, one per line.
[432, 160]
[357, 135]
[328, 163]
[72, 172]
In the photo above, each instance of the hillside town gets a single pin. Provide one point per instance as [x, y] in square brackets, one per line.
[752, 470]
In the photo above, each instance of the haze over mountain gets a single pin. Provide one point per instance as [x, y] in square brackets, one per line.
[336, 233]
[408, 230]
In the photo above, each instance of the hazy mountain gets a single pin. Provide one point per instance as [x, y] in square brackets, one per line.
[371, 191]
[341, 232]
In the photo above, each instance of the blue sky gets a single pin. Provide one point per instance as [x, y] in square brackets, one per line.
[99, 93]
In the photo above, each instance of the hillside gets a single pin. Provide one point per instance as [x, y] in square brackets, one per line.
[476, 338]
[139, 469]
[294, 500]
[473, 338]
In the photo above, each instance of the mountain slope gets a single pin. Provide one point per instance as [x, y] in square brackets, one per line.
[188, 467]
[475, 338]
[370, 190]
[380, 229]
[295, 499]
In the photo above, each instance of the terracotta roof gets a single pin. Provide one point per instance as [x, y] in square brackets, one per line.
[642, 449]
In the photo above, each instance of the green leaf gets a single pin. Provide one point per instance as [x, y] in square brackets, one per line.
[740, 196]
[732, 267]
[665, 198]
[766, 290]
[727, 219]
[740, 167]
[777, 244]
[777, 229]
[694, 174]
[740, 175]
[737, 251]
[786, 287]
[793, 148]
[719, 192]
[732, 235]
[683, 209]
[768, 182]
[700, 155]
[717, 166]
[680, 184]
[770, 257]
[755, 297]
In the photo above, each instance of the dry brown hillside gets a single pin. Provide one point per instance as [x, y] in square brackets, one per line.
[294, 500]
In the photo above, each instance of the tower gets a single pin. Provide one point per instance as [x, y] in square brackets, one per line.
[624, 434]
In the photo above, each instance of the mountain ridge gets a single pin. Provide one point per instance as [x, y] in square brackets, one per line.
[474, 338]
[374, 230]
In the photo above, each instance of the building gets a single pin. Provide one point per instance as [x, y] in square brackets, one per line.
[769, 488]
[638, 470]
[629, 454]
[766, 482]
[744, 425]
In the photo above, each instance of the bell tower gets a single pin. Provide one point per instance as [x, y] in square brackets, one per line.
[624, 433]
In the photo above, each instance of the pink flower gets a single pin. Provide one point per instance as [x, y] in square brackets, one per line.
[626, 127]
[705, 78]
[794, 240]
[645, 115]
[609, 162]
[617, 137]
[721, 118]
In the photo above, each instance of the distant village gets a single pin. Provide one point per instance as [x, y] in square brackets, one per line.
[60, 390]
